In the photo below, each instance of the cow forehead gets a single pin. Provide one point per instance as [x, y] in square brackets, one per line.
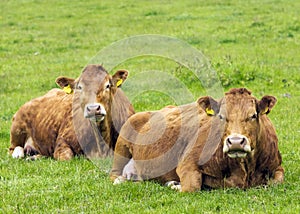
[94, 79]
[234, 104]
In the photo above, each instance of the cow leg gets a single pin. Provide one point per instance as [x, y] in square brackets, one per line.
[278, 176]
[29, 148]
[234, 181]
[18, 137]
[18, 152]
[122, 156]
[62, 151]
[30, 151]
[190, 177]
[129, 171]
[238, 177]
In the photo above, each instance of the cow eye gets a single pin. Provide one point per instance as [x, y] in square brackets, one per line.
[221, 117]
[254, 116]
[107, 86]
[79, 87]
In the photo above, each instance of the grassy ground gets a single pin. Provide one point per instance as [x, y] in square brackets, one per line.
[253, 44]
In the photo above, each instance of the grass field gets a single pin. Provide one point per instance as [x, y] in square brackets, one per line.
[254, 44]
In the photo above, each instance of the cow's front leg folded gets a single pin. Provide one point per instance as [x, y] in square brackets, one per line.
[129, 173]
[238, 177]
[234, 181]
[278, 176]
[122, 158]
[62, 151]
[190, 177]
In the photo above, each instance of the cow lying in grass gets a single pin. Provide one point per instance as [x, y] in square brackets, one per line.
[62, 125]
[209, 143]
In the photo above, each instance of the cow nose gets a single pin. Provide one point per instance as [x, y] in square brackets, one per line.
[94, 109]
[236, 143]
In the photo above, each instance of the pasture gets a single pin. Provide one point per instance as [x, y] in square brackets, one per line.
[254, 45]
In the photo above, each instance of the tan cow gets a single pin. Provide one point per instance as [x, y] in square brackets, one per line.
[62, 125]
[209, 143]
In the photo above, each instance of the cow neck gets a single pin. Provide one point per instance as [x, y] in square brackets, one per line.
[104, 128]
[267, 143]
[237, 172]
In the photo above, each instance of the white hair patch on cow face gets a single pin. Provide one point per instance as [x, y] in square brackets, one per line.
[18, 152]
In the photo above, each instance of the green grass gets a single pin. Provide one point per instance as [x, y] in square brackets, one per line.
[253, 44]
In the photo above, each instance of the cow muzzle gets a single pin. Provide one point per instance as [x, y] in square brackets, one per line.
[95, 112]
[236, 146]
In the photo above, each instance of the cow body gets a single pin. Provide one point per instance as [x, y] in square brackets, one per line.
[209, 143]
[62, 125]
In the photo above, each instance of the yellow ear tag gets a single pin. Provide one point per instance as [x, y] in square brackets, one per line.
[68, 89]
[265, 111]
[120, 81]
[210, 111]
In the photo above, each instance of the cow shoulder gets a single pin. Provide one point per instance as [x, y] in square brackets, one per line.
[137, 121]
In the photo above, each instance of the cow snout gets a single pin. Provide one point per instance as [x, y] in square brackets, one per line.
[236, 145]
[94, 111]
[236, 142]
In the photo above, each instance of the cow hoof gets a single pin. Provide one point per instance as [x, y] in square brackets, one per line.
[174, 185]
[18, 152]
[119, 180]
[33, 157]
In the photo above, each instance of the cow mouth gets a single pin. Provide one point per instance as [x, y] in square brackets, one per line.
[236, 146]
[237, 154]
[96, 117]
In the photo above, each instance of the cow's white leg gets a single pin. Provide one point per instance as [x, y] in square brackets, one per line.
[174, 185]
[18, 152]
[129, 173]
[129, 170]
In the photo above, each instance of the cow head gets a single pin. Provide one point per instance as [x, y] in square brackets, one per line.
[240, 113]
[95, 88]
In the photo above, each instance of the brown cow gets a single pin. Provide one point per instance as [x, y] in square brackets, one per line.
[209, 143]
[62, 125]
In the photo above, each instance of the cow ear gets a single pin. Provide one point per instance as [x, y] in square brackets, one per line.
[66, 83]
[266, 104]
[209, 105]
[119, 77]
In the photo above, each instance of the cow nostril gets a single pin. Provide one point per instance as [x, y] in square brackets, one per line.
[243, 141]
[93, 108]
[234, 141]
[228, 141]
